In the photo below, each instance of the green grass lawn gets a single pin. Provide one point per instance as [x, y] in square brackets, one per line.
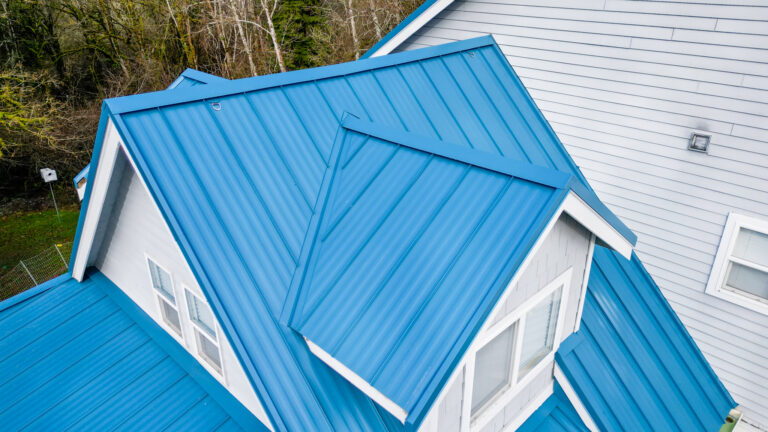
[25, 234]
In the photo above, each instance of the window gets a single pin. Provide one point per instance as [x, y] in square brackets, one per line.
[204, 325]
[539, 337]
[163, 285]
[514, 347]
[740, 272]
[493, 368]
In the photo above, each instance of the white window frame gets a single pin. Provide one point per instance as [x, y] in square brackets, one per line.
[199, 331]
[160, 298]
[497, 403]
[720, 267]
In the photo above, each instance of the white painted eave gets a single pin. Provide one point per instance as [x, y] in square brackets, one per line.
[591, 220]
[358, 382]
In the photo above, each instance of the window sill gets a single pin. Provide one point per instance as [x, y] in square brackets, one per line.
[738, 299]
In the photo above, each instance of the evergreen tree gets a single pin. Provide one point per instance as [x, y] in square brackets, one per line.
[296, 22]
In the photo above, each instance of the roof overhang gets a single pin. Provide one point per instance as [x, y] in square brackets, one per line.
[576, 207]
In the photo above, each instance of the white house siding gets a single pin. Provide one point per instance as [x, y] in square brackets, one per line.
[623, 84]
[134, 228]
[566, 246]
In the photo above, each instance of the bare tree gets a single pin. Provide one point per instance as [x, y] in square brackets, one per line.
[351, 19]
[245, 40]
[271, 30]
[375, 18]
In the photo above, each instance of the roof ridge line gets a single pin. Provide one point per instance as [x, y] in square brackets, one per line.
[139, 102]
[501, 164]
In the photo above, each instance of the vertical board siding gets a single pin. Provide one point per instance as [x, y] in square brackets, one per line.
[623, 84]
[135, 228]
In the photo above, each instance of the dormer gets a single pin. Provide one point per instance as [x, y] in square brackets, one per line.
[439, 276]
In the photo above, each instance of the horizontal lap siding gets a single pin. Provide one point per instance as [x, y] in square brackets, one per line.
[624, 83]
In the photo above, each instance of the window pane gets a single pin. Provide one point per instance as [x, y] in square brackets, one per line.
[209, 351]
[170, 316]
[748, 280]
[161, 281]
[492, 367]
[539, 337]
[200, 313]
[751, 246]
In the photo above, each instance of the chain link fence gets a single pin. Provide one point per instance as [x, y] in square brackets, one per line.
[48, 264]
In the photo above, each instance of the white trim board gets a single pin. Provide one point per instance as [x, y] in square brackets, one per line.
[531, 408]
[358, 382]
[585, 283]
[104, 170]
[412, 27]
[487, 333]
[724, 251]
[573, 398]
[592, 221]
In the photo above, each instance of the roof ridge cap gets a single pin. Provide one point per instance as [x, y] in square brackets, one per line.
[143, 101]
[500, 164]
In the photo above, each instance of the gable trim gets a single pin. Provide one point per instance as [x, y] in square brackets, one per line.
[410, 25]
[95, 197]
[358, 382]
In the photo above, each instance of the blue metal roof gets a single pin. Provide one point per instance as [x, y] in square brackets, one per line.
[556, 414]
[632, 363]
[414, 245]
[192, 78]
[83, 173]
[236, 167]
[72, 358]
[188, 78]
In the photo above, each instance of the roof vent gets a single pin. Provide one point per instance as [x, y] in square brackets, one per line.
[699, 142]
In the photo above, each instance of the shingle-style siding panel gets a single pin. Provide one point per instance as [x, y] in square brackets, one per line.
[623, 84]
[136, 228]
[565, 247]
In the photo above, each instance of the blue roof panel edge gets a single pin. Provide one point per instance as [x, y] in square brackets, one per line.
[83, 173]
[221, 395]
[196, 75]
[28, 294]
[125, 104]
[294, 294]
